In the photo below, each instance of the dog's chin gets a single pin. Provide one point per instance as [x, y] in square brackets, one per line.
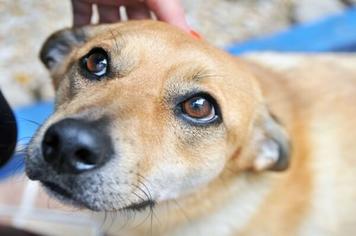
[63, 195]
[69, 198]
[56, 189]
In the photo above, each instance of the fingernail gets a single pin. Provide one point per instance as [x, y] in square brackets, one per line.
[195, 35]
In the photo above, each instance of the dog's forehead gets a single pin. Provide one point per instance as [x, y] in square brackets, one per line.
[150, 32]
[146, 30]
[158, 48]
[151, 39]
[158, 59]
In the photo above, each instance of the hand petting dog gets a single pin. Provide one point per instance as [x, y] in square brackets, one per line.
[170, 11]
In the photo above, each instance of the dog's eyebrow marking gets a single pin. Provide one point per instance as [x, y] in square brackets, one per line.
[198, 76]
[114, 39]
[201, 74]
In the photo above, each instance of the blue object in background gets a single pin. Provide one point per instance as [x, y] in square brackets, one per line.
[28, 119]
[335, 33]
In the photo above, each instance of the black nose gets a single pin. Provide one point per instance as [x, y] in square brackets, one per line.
[75, 146]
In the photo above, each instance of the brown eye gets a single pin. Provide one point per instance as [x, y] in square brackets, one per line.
[96, 62]
[199, 108]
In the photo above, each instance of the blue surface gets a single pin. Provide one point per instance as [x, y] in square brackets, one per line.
[336, 33]
[14, 166]
[28, 119]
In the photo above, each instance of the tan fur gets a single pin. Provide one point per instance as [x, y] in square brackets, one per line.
[315, 101]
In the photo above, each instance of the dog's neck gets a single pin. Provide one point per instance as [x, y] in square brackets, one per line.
[233, 200]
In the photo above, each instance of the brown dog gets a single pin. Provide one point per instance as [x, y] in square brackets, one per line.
[150, 120]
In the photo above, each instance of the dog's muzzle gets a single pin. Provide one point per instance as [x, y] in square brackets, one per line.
[74, 146]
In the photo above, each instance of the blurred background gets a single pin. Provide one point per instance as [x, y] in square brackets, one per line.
[238, 26]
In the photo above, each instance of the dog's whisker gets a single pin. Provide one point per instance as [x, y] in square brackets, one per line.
[103, 223]
[123, 218]
[182, 210]
[22, 148]
[127, 216]
[148, 195]
[150, 198]
[134, 193]
[143, 191]
[143, 221]
[30, 121]
[144, 185]
[113, 217]
[151, 218]
[106, 223]
[17, 167]
[120, 200]
[24, 138]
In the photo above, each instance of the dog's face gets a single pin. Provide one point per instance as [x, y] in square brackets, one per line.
[145, 114]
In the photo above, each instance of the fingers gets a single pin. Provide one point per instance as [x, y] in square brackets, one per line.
[108, 13]
[106, 2]
[138, 11]
[170, 11]
[81, 12]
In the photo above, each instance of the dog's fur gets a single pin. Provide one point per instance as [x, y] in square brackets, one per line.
[221, 179]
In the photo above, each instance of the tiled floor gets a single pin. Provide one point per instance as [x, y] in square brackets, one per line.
[44, 215]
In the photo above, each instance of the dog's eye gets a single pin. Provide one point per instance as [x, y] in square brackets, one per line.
[96, 62]
[199, 109]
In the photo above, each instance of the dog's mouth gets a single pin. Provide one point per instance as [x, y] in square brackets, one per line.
[57, 189]
[138, 206]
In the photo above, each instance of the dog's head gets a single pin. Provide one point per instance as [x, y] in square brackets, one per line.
[145, 113]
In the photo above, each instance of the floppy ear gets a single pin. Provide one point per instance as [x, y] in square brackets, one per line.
[59, 45]
[268, 147]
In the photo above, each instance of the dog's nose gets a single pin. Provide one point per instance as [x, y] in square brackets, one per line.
[74, 146]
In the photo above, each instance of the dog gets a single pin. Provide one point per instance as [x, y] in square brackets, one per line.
[193, 141]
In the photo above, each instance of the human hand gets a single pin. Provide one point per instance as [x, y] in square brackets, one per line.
[170, 11]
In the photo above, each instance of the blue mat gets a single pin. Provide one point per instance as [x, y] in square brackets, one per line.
[28, 120]
[336, 33]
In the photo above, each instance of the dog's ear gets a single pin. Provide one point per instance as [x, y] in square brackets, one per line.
[59, 45]
[268, 146]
